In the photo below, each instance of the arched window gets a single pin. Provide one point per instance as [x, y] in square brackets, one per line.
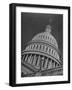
[40, 47]
[52, 51]
[29, 47]
[43, 47]
[37, 46]
[43, 37]
[32, 46]
[49, 50]
[46, 37]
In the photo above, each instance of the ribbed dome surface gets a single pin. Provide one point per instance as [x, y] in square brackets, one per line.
[44, 42]
[47, 38]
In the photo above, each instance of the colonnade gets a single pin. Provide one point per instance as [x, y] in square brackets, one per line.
[39, 62]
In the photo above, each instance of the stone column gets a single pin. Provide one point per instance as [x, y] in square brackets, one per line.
[42, 63]
[23, 58]
[26, 58]
[38, 61]
[46, 63]
[34, 60]
[48, 50]
[50, 64]
[53, 65]
[30, 59]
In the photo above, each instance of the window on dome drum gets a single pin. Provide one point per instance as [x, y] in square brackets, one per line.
[44, 40]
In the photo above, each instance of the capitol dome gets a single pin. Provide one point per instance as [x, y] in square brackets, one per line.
[42, 52]
[46, 37]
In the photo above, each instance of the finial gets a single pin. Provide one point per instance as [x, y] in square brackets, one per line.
[48, 28]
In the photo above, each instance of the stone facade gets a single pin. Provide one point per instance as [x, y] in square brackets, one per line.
[41, 56]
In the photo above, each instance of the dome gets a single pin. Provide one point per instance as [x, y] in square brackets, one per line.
[44, 43]
[41, 55]
[46, 37]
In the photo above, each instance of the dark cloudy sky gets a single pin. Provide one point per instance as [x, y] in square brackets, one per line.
[34, 23]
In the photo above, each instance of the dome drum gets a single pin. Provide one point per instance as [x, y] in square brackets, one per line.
[43, 48]
[46, 37]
